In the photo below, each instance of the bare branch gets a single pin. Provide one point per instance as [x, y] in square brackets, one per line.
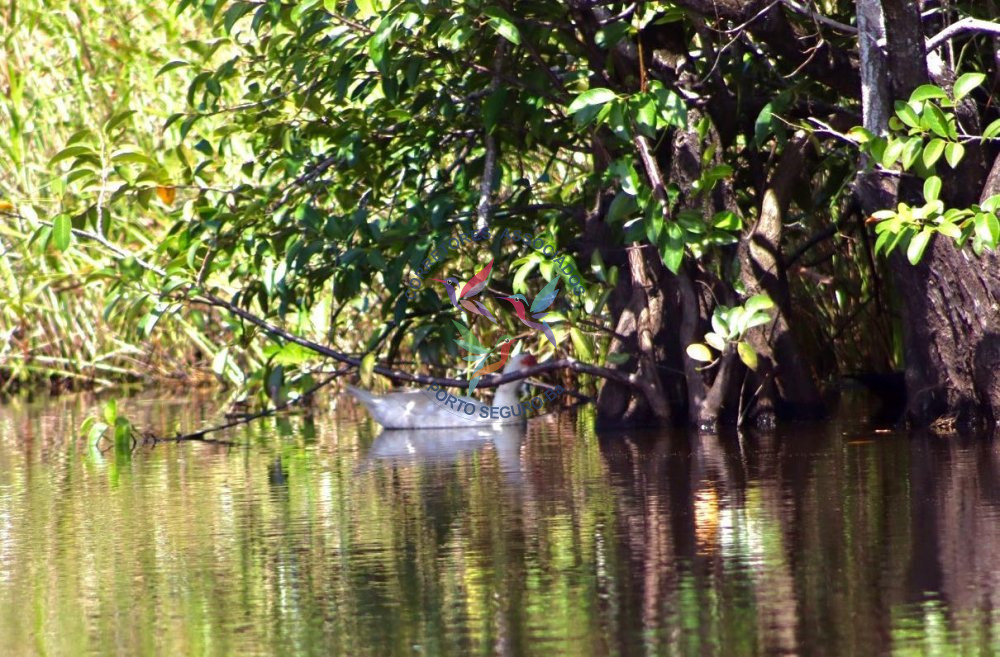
[959, 27]
[819, 18]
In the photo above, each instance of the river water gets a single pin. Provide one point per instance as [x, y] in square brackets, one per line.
[318, 536]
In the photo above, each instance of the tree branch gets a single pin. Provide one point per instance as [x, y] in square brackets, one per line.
[490, 162]
[962, 26]
[399, 375]
[247, 419]
[819, 18]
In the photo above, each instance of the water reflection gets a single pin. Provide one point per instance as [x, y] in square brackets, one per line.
[325, 538]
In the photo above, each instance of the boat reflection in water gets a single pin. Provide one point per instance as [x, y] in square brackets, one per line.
[445, 446]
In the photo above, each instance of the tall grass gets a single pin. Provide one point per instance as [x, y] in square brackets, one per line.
[67, 66]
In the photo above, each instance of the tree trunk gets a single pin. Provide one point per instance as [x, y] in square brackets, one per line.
[949, 301]
[782, 368]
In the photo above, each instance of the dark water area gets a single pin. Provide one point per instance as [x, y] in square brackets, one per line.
[323, 537]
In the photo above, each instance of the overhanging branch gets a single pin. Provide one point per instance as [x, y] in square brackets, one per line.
[960, 27]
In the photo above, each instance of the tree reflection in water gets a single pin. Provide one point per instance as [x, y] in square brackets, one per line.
[323, 538]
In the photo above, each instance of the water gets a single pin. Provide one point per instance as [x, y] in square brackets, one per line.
[319, 537]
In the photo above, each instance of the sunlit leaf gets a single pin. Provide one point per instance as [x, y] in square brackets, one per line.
[966, 83]
[915, 251]
[62, 231]
[747, 355]
[700, 352]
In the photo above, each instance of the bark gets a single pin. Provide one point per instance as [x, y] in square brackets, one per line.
[640, 327]
[874, 71]
[905, 44]
[781, 361]
[949, 301]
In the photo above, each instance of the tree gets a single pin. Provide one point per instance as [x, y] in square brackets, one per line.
[694, 160]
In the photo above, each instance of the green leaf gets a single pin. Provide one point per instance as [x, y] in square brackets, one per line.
[503, 25]
[933, 151]
[618, 358]
[927, 92]
[62, 231]
[236, 11]
[220, 360]
[673, 111]
[582, 344]
[672, 253]
[111, 411]
[171, 65]
[747, 355]
[132, 156]
[700, 352]
[758, 302]
[116, 120]
[992, 204]
[918, 243]
[907, 115]
[935, 119]
[762, 126]
[949, 229]
[987, 228]
[493, 107]
[912, 151]
[727, 220]
[966, 83]
[472, 348]
[591, 97]
[932, 188]
[365, 371]
[715, 340]
[72, 151]
[953, 153]
[892, 153]
[756, 319]
[623, 205]
[992, 130]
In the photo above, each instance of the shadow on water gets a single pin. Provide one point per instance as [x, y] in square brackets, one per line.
[327, 537]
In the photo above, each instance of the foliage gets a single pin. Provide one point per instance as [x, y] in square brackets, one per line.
[923, 129]
[729, 328]
[78, 83]
[313, 157]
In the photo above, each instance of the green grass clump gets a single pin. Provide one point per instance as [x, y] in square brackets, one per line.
[65, 67]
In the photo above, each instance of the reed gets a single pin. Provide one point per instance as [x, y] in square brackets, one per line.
[66, 66]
